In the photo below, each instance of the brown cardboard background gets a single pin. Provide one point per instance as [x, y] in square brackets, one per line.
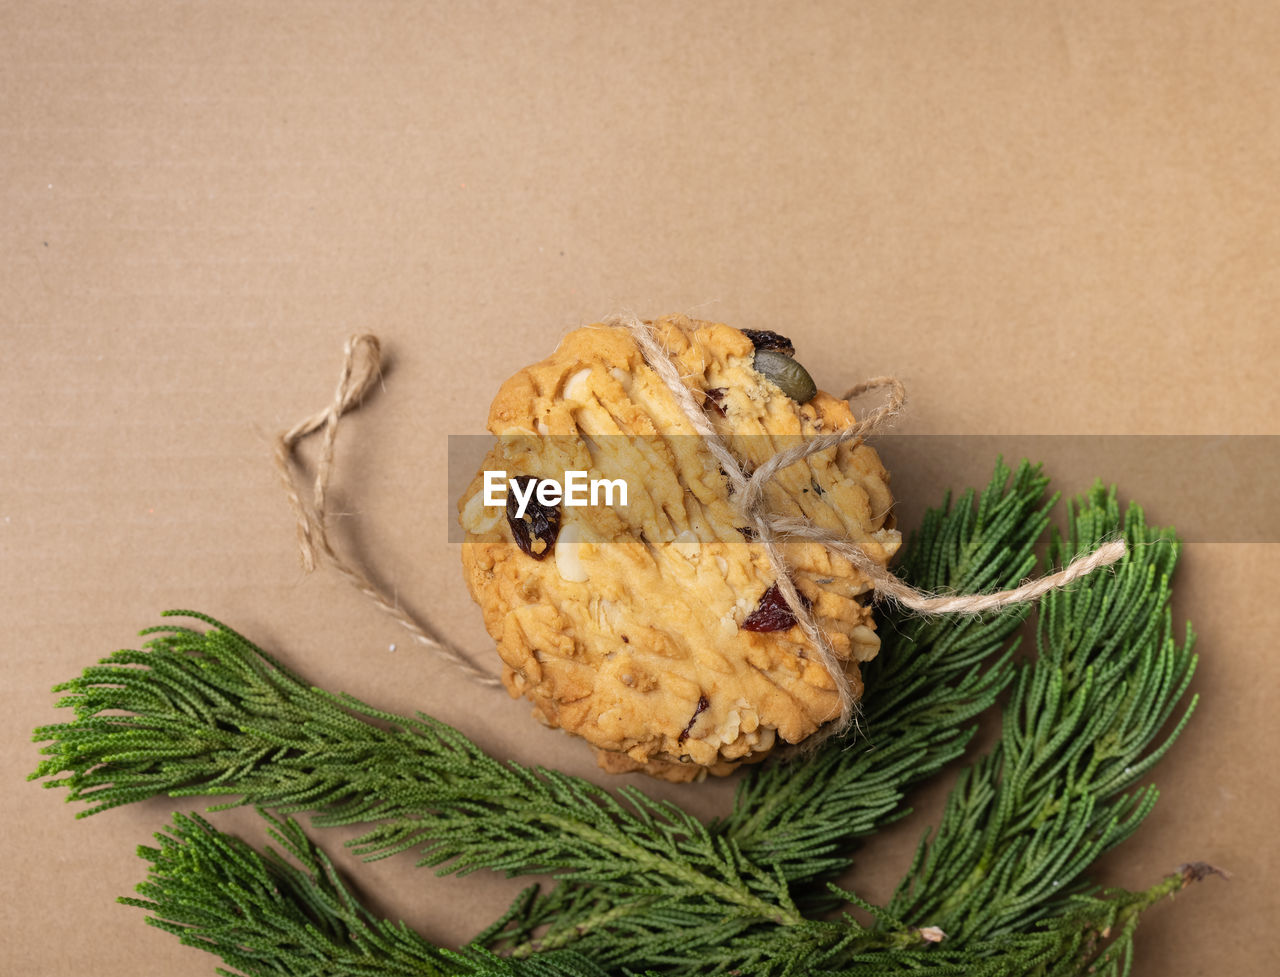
[1047, 218]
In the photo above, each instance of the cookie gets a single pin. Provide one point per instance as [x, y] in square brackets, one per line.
[654, 630]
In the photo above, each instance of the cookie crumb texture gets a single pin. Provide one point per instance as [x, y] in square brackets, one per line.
[630, 632]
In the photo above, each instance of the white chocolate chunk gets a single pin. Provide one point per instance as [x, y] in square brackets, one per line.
[890, 539]
[575, 388]
[477, 517]
[867, 639]
[687, 544]
[729, 731]
[568, 557]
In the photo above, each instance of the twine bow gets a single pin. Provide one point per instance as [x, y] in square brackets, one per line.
[770, 528]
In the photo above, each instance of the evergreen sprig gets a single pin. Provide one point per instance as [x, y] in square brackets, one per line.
[923, 693]
[208, 713]
[644, 884]
[1085, 722]
[266, 916]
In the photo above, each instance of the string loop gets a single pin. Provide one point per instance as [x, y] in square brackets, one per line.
[361, 368]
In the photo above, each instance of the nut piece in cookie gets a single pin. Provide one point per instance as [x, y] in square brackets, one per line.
[655, 629]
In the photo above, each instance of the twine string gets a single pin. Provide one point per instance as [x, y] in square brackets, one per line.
[771, 528]
[361, 368]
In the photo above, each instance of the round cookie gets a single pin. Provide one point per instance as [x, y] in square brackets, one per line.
[654, 630]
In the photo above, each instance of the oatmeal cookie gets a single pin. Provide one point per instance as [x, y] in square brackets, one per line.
[654, 630]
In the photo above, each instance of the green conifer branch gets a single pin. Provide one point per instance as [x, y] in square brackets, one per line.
[1087, 718]
[1132, 645]
[266, 916]
[208, 713]
[933, 677]
[646, 885]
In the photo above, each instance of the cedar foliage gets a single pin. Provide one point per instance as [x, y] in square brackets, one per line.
[642, 885]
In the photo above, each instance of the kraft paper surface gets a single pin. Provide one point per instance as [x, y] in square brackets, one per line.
[1046, 218]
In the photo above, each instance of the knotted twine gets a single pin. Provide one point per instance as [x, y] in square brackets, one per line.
[361, 368]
